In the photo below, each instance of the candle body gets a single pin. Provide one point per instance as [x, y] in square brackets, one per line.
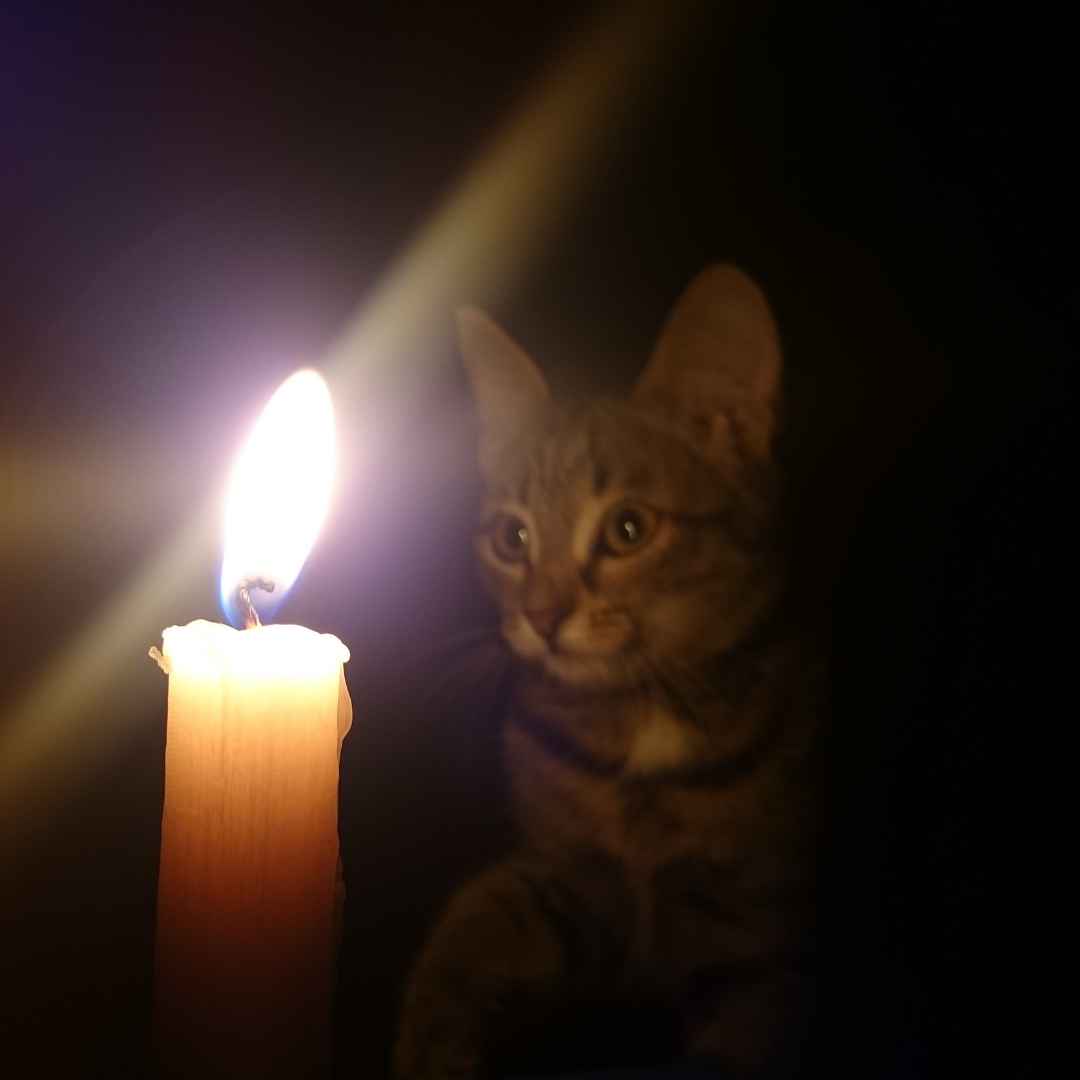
[245, 938]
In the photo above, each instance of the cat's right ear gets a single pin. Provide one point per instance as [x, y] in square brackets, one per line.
[715, 371]
[509, 390]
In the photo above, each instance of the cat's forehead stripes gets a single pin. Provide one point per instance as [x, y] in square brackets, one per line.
[562, 463]
[546, 467]
[601, 449]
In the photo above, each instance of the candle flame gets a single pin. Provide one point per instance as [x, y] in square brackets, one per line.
[279, 494]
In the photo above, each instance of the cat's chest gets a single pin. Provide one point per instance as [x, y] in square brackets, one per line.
[659, 743]
[631, 803]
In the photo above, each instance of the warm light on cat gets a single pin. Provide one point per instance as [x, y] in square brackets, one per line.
[279, 493]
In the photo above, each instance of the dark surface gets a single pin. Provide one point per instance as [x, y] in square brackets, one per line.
[647, 1072]
[193, 198]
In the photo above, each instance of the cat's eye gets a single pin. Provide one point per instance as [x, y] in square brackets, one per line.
[627, 529]
[509, 538]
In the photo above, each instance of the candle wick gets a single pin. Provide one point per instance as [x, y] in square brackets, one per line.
[163, 661]
[243, 599]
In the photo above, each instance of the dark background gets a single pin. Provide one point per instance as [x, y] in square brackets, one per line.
[193, 200]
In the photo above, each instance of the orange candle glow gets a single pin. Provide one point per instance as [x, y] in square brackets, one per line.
[248, 887]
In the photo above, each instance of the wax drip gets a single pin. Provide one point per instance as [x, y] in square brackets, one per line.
[243, 599]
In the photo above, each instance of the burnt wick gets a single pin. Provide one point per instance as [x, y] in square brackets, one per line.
[243, 599]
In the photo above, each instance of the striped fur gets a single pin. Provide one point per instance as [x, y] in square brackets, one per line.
[660, 735]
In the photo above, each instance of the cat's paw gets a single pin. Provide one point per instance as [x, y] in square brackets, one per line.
[421, 1060]
[436, 1043]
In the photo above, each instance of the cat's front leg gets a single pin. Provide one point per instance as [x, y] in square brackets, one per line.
[494, 938]
[750, 1026]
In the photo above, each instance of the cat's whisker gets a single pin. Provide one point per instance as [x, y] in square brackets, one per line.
[486, 701]
[452, 673]
[666, 677]
[460, 642]
[464, 699]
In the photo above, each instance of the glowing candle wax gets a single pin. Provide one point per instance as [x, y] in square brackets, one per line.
[248, 883]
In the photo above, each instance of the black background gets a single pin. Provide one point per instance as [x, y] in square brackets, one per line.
[195, 197]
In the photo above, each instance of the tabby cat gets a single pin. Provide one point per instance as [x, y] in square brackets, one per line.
[660, 735]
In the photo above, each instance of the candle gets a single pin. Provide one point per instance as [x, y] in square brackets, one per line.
[249, 883]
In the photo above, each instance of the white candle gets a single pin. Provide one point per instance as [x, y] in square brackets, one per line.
[243, 979]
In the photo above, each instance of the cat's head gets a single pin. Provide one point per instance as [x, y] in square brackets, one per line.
[626, 541]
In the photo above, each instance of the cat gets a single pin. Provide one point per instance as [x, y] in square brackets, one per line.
[661, 734]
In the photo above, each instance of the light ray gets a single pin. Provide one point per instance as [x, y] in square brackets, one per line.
[81, 704]
[477, 248]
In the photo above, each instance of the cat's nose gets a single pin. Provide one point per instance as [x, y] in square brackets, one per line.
[546, 623]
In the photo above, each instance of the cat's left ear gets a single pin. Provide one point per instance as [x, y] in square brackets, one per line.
[510, 392]
[715, 371]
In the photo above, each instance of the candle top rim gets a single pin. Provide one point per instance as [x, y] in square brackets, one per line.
[283, 640]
